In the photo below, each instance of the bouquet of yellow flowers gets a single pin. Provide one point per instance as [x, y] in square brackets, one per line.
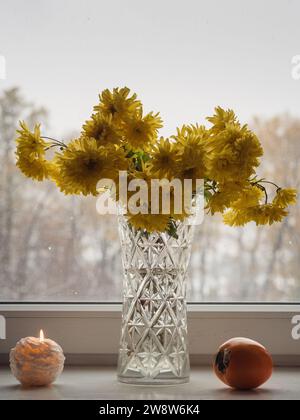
[120, 137]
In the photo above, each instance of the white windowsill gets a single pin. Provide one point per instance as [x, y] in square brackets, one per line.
[117, 307]
[89, 333]
[98, 383]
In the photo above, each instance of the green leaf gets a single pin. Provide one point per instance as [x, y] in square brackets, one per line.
[172, 229]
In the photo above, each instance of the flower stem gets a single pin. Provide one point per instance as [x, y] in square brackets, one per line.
[56, 142]
[269, 182]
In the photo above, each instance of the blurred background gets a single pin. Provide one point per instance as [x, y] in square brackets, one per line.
[182, 58]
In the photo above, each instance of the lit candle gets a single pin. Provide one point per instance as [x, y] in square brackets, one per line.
[36, 361]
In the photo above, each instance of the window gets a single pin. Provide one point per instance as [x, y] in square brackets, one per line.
[185, 60]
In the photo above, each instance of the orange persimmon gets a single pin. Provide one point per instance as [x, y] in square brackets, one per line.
[243, 363]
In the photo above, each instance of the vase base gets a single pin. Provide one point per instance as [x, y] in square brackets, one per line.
[153, 381]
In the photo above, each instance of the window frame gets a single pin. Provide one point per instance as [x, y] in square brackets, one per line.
[89, 332]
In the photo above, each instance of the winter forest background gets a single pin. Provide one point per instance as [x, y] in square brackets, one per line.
[57, 248]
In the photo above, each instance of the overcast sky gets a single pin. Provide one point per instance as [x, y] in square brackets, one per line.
[181, 57]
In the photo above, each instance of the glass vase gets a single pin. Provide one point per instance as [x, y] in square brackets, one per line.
[154, 343]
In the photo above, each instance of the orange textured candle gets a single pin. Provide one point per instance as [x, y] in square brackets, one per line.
[36, 361]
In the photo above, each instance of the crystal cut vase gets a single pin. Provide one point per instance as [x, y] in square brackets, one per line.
[154, 344]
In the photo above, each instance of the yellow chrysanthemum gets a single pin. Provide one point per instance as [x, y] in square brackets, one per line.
[165, 159]
[236, 217]
[30, 153]
[235, 195]
[84, 163]
[192, 164]
[145, 173]
[102, 128]
[150, 222]
[190, 140]
[37, 169]
[117, 104]
[219, 201]
[118, 137]
[232, 155]
[192, 167]
[249, 196]
[228, 137]
[30, 145]
[185, 132]
[267, 214]
[285, 196]
[221, 118]
[262, 214]
[140, 131]
[233, 186]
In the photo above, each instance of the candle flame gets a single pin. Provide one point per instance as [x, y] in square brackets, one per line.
[42, 337]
